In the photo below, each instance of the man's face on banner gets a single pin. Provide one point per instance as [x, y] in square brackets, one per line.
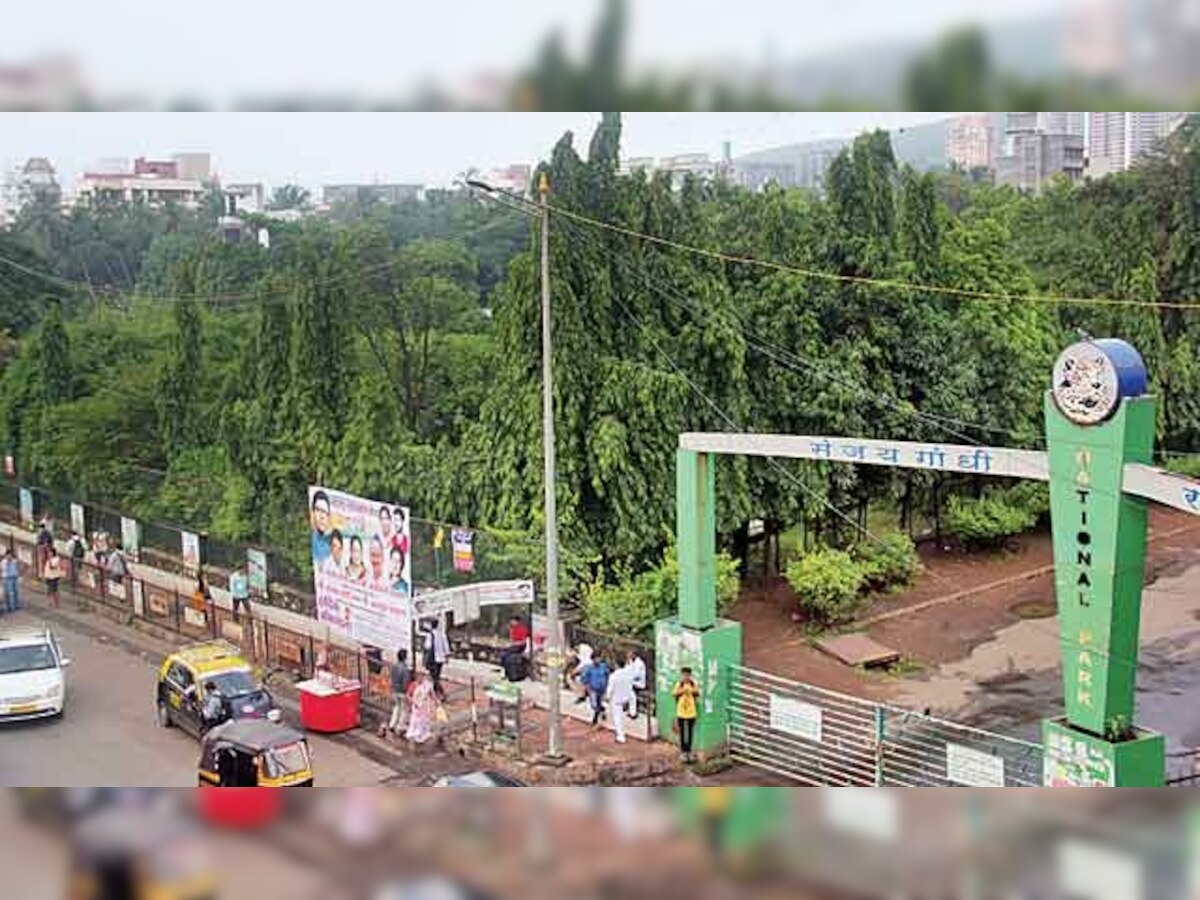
[320, 515]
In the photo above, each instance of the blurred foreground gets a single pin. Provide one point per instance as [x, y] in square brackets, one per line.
[380, 844]
[611, 54]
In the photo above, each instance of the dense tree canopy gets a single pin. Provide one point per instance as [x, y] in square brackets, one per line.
[396, 351]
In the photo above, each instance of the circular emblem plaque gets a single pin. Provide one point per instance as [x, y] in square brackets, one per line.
[1091, 377]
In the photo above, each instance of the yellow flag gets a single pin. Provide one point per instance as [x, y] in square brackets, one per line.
[438, 538]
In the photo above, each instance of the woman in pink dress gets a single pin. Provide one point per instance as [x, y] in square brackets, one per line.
[423, 709]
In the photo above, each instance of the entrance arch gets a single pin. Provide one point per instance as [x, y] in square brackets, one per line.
[1100, 426]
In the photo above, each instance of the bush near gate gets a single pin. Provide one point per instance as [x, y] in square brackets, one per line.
[631, 605]
[887, 563]
[989, 521]
[829, 584]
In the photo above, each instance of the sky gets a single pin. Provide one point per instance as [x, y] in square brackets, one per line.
[218, 50]
[312, 149]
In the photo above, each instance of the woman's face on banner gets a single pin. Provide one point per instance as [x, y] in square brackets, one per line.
[355, 552]
[385, 523]
[335, 549]
[397, 568]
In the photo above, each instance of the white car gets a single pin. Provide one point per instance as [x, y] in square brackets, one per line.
[32, 685]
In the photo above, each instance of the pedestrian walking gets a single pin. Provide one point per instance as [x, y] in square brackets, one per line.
[424, 710]
[53, 572]
[401, 679]
[437, 651]
[239, 589]
[12, 582]
[686, 692]
[637, 667]
[201, 595]
[596, 681]
[583, 660]
[45, 543]
[117, 567]
[76, 548]
[620, 698]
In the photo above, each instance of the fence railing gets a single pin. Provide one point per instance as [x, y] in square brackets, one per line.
[821, 737]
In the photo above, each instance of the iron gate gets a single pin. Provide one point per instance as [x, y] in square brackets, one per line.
[821, 737]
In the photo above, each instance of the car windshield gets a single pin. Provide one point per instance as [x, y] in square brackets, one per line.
[26, 659]
[233, 684]
[287, 760]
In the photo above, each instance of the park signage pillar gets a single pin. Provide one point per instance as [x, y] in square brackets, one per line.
[697, 638]
[1098, 418]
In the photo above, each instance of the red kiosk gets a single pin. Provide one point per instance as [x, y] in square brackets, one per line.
[330, 704]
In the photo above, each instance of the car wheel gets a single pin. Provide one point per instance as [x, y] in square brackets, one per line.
[162, 715]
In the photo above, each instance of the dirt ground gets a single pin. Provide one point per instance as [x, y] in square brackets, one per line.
[957, 652]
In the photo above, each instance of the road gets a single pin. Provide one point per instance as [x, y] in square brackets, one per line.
[108, 735]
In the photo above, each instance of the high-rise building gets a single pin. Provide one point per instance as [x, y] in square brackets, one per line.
[35, 181]
[1039, 146]
[1117, 139]
[969, 142]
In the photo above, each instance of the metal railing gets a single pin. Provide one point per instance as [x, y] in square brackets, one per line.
[820, 737]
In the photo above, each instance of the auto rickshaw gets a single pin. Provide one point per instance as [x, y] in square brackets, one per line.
[254, 753]
[135, 853]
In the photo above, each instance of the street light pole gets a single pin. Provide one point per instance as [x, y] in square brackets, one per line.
[554, 658]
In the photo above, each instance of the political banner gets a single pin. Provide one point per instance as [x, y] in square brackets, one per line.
[131, 538]
[256, 572]
[190, 544]
[78, 520]
[362, 562]
[464, 549]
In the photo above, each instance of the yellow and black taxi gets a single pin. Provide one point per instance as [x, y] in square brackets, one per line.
[254, 753]
[140, 854]
[187, 677]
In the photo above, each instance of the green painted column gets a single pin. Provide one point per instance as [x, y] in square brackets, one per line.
[1098, 418]
[696, 638]
[696, 534]
[1099, 555]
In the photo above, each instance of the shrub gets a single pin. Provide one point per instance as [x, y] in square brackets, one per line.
[828, 583]
[989, 521]
[891, 561]
[630, 606]
[1185, 465]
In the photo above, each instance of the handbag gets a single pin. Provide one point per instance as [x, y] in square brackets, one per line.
[441, 715]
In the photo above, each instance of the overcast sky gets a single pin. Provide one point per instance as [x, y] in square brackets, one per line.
[428, 148]
[221, 49]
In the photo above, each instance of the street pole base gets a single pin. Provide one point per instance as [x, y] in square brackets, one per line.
[552, 760]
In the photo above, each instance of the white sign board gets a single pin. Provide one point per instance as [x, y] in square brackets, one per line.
[1150, 482]
[1093, 871]
[466, 600]
[869, 812]
[973, 768]
[792, 716]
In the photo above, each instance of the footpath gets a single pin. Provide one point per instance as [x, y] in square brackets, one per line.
[594, 757]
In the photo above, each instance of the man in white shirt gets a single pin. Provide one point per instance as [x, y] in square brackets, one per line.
[620, 697]
[637, 667]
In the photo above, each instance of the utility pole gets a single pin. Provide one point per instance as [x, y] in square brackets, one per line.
[554, 658]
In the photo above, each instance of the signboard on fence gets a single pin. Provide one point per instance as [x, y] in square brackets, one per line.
[131, 538]
[190, 546]
[195, 617]
[26, 501]
[973, 768]
[792, 716]
[256, 572]
[465, 600]
[362, 567]
[78, 520]
[139, 598]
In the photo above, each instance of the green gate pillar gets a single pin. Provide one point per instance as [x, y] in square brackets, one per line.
[1098, 418]
[751, 817]
[696, 638]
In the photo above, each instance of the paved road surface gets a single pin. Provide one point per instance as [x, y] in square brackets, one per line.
[108, 736]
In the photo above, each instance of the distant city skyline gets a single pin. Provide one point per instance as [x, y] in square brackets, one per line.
[314, 149]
